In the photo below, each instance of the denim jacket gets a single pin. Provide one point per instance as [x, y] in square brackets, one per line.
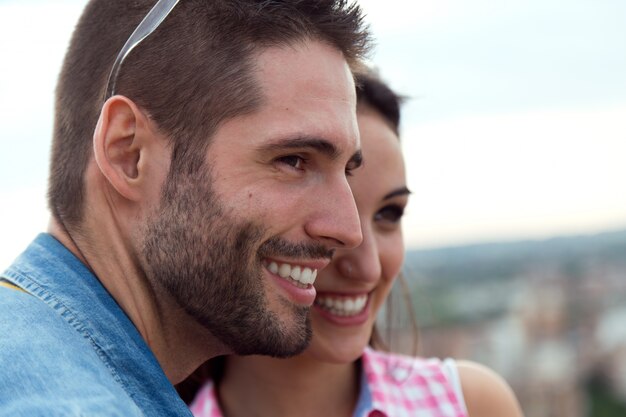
[68, 349]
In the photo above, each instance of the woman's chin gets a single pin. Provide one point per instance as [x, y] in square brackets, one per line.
[337, 350]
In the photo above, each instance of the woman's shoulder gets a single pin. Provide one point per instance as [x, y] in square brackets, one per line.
[486, 393]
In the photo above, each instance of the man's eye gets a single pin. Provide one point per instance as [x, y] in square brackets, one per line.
[293, 161]
[390, 214]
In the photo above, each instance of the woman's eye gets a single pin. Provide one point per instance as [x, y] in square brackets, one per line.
[390, 214]
[352, 165]
[293, 161]
[350, 170]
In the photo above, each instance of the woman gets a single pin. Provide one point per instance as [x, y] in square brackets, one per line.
[338, 374]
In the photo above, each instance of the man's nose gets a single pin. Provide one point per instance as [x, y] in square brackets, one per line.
[335, 220]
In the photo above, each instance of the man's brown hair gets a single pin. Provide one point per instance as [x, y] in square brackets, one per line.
[193, 72]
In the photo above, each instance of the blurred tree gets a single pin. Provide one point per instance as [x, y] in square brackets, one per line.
[602, 401]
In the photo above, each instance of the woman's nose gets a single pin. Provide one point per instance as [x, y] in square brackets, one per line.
[361, 263]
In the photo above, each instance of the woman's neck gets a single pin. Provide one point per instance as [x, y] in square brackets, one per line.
[258, 386]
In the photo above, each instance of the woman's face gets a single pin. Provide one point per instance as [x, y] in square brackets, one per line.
[352, 289]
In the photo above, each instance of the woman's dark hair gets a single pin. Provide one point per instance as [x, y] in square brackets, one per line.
[373, 92]
[397, 331]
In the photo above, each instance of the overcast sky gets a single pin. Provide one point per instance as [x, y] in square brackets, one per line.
[515, 126]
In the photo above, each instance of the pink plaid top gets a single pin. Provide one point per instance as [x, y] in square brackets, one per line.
[392, 386]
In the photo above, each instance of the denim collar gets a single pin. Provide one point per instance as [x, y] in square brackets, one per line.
[50, 272]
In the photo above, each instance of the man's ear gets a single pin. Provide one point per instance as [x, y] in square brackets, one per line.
[120, 137]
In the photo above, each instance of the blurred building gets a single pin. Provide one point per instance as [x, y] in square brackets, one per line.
[549, 316]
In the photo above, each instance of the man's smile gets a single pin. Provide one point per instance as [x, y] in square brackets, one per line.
[299, 275]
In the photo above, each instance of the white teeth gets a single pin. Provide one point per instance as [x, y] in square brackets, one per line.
[306, 276]
[295, 273]
[342, 306]
[301, 275]
[284, 270]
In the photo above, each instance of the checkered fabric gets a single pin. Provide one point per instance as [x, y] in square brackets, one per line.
[205, 404]
[399, 386]
[402, 386]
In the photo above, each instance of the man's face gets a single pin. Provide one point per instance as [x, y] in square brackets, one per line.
[238, 246]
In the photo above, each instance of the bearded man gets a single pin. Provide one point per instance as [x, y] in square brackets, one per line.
[197, 185]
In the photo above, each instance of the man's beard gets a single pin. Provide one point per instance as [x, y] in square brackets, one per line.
[205, 258]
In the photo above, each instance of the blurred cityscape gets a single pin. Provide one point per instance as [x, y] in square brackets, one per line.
[549, 316]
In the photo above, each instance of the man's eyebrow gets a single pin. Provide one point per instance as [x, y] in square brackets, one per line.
[321, 145]
[395, 193]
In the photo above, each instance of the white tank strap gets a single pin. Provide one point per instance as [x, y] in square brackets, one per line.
[451, 372]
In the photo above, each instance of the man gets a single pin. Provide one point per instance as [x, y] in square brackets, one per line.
[197, 184]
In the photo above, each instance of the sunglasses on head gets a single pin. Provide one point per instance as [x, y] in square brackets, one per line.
[149, 24]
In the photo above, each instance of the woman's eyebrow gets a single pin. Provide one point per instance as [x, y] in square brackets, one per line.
[395, 193]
